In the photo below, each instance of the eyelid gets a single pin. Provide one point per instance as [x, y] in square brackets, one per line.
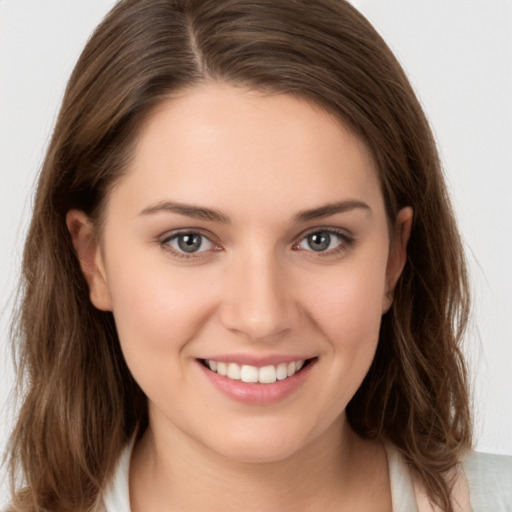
[170, 235]
[347, 239]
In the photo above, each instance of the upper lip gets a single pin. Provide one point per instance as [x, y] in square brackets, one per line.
[257, 360]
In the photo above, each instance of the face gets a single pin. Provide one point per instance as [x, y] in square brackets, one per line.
[247, 258]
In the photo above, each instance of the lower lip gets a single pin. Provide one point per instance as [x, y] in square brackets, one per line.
[255, 393]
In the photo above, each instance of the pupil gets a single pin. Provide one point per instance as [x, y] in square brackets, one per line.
[189, 243]
[319, 241]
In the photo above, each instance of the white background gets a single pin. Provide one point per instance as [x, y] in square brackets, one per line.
[458, 55]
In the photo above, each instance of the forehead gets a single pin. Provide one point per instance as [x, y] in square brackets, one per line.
[247, 149]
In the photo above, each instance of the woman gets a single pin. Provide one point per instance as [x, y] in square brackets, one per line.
[244, 286]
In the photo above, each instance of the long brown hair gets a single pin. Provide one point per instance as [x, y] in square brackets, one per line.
[80, 405]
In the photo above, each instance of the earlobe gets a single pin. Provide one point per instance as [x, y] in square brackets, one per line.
[90, 258]
[397, 253]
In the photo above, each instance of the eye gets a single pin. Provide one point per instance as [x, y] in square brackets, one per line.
[324, 241]
[188, 242]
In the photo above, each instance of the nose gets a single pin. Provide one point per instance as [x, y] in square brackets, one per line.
[258, 299]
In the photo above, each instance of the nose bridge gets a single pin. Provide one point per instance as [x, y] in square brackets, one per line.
[258, 301]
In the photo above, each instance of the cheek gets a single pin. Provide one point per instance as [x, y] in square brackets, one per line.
[157, 311]
[349, 310]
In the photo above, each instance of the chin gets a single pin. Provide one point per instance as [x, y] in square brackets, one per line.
[263, 446]
[254, 453]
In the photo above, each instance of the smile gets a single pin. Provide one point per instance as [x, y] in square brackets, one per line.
[253, 374]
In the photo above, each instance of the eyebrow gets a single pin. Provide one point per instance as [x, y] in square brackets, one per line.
[209, 214]
[197, 212]
[330, 209]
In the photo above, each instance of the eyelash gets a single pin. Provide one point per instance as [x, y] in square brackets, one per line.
[346, 241]
[165, 243]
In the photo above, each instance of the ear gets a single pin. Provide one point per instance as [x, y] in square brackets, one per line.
[90, 258]
[397, 253]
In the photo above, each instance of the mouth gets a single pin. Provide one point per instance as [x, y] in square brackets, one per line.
[268, 374]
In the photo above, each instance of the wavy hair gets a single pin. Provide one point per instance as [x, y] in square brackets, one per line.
[80, 405]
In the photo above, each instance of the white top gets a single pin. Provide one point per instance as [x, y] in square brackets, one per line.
[483, 485]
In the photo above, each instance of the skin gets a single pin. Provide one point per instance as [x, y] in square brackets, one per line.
[257, 288]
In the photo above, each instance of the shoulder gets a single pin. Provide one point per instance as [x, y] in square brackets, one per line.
[490, 481]
[116, 496]
[482, 483]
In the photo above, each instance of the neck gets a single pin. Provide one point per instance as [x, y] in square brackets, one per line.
[331, 473]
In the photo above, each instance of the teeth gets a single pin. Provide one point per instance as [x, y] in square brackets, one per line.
[249, 373]
[233, 371]
[222, 368]
[246, 373]
[267, 374]
[282, 371]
